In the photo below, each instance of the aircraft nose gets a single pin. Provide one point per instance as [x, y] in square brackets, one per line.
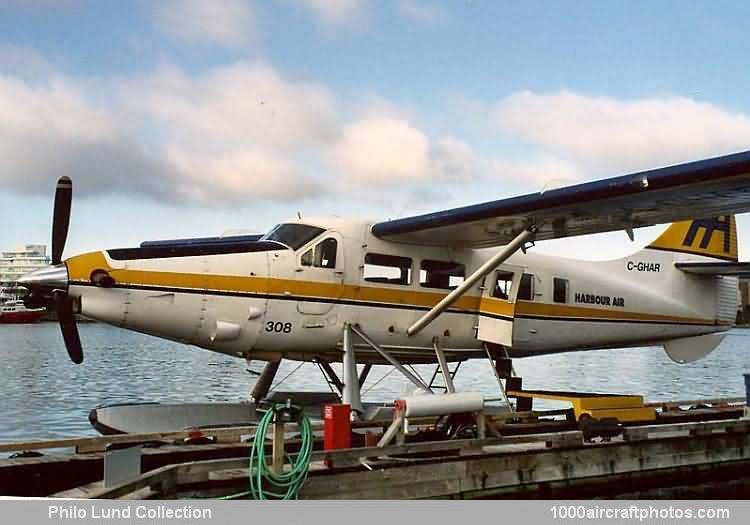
[46, 279]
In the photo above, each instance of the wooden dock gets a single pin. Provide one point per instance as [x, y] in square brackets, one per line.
[688, 453]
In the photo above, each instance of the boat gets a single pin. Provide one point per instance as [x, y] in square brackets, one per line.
[15, 311]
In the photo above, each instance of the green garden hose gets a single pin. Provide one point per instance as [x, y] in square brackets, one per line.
[264, 482]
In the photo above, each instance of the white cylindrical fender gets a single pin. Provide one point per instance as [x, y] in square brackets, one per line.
[439, 404]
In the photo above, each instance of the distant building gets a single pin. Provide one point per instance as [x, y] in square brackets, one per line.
[15, 263]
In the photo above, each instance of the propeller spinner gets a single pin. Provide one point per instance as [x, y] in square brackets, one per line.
[49, 286]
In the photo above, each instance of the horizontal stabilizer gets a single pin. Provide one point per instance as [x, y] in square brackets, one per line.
[737, 269]
[689, 349]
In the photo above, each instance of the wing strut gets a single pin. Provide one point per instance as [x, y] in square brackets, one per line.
[500, 257]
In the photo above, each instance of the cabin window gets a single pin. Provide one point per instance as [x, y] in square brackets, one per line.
[307, 258]
[389, 269]
[560, 290]
[526, 287]
[503, 285]
[441, 274]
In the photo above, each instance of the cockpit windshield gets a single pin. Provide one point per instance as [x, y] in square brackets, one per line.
[293, 235]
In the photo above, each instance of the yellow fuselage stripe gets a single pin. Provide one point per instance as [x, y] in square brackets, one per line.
[79, 269]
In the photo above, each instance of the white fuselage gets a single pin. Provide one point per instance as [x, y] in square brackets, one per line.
[279, 302]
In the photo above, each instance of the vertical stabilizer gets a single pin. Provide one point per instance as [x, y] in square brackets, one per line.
[715, 237]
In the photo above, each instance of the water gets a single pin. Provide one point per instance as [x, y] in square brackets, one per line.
[43, 395]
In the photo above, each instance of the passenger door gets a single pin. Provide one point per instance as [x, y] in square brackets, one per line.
[497, 306]
[320, 275]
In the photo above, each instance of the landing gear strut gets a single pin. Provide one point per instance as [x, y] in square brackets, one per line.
[351, 394]
[263, 384]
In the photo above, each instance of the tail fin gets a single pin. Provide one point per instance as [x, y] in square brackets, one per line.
[716, 238]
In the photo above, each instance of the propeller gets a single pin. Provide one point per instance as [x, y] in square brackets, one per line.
[64, 303]
[49, 286]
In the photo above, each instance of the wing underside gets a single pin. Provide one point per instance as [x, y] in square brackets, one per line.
[706, 188]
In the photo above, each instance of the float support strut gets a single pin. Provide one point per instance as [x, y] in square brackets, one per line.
[330, 374]
[263, 384]
[444, 370]
[351, 394]
[391, 360]
[493, 365]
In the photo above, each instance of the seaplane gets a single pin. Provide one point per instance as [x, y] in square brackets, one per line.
[439, 288]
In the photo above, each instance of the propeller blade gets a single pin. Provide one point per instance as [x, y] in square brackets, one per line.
[64, 308]
[61, 217]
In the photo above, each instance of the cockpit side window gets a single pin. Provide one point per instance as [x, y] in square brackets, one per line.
[293, 235]
[325, 253]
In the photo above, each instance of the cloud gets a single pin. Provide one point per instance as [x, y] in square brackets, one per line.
[604, 133]
[192, 139]
[421, 12]
[243, 104]
[536, 174]
[223, 137]
[385, 147]
[52, 130]
[337, 13]
[380, 149]
[455, 159]
[238, 177]
[226, 23]
[244, 131]
[229, 132]
[24, 62]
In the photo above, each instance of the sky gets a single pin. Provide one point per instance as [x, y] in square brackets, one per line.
[185, 118]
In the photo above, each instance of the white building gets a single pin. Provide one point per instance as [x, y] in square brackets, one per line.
[15, 263]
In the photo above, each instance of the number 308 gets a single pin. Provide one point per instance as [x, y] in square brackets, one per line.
[278, 327]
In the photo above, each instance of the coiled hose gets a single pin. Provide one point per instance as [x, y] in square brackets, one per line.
[264, 482]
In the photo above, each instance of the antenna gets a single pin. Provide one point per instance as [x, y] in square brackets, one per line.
[299, 215]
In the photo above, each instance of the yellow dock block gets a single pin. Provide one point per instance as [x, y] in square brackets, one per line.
[622, 414]
[623, 407]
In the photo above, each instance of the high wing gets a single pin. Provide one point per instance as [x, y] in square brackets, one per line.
[701, 189]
